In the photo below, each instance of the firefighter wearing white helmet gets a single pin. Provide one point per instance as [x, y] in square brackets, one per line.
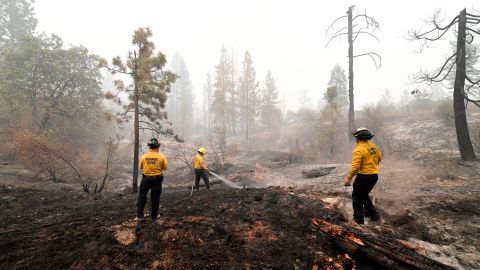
[200, 169]
[365, 160]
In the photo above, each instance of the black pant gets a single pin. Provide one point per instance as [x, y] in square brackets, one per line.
[201, 174]
[362, 186]
[153, 183]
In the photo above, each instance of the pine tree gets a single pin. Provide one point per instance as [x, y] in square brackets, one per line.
[180, 101]
[147, 92]
[232, 100]
[338, 78]
[17, 20]
[207, 102]
[249, 97]
[269, 99]
[405, 98]
[329, 129]
[386, 100]
[223, 85]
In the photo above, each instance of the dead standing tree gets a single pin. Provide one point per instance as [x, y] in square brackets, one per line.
[359, 24]
[463, 92]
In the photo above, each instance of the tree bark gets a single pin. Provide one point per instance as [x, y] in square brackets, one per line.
[351, 108]
[461, 125]
[136, 127]
[381, 249]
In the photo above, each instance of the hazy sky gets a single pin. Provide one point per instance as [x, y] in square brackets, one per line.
[287, 37]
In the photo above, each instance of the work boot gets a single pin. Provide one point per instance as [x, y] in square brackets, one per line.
[372, 217]
[139, 220]
[359, 221]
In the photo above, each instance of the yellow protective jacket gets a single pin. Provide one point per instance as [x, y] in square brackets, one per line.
[365, 159]
[153, 163]
[198, 162]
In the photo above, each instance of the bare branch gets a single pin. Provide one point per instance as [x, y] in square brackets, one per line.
[473, 15]
[436, 30]
[367, 33]
[468, 99]
[50, 150]
[454, 21]
[369, 21]
[473, 83]
[425, 77]
[474, 31]
[331, 25]
[419, 36]
[357, 33]
[374, 56]
[333, 37]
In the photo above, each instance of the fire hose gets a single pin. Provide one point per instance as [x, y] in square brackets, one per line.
[219, 177]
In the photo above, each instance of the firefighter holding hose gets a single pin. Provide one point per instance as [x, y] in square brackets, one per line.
[365, 160]
[200, 169]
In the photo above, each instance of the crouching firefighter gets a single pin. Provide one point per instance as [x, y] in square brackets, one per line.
[152, 164]
[365, 159]
[200, 169]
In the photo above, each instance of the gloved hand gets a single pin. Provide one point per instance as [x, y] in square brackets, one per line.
[347, 181]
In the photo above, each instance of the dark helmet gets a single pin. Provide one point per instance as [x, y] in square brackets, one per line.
[153, 143]
[363, 134]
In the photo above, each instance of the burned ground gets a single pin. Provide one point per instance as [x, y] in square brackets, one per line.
[220, 229]
[429, 201]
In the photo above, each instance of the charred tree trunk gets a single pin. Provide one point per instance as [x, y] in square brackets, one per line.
[386, 251]
[351, 107]
[461, 125]
[136, 127]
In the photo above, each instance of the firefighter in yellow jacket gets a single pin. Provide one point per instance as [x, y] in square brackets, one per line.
[200, 169]
[152, 164]
[365, 160]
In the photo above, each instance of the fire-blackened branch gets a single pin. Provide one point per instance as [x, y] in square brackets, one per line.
[473, 15]
[435, 30]
[462, 94]
[376, 58]
[440, 75]
[469, 93]
[474, 31]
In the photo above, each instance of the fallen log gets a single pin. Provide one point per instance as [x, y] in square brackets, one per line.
[385, 251]
[317, 172]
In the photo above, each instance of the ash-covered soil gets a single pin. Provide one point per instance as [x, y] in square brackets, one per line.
[220, 229]
[433, 205]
